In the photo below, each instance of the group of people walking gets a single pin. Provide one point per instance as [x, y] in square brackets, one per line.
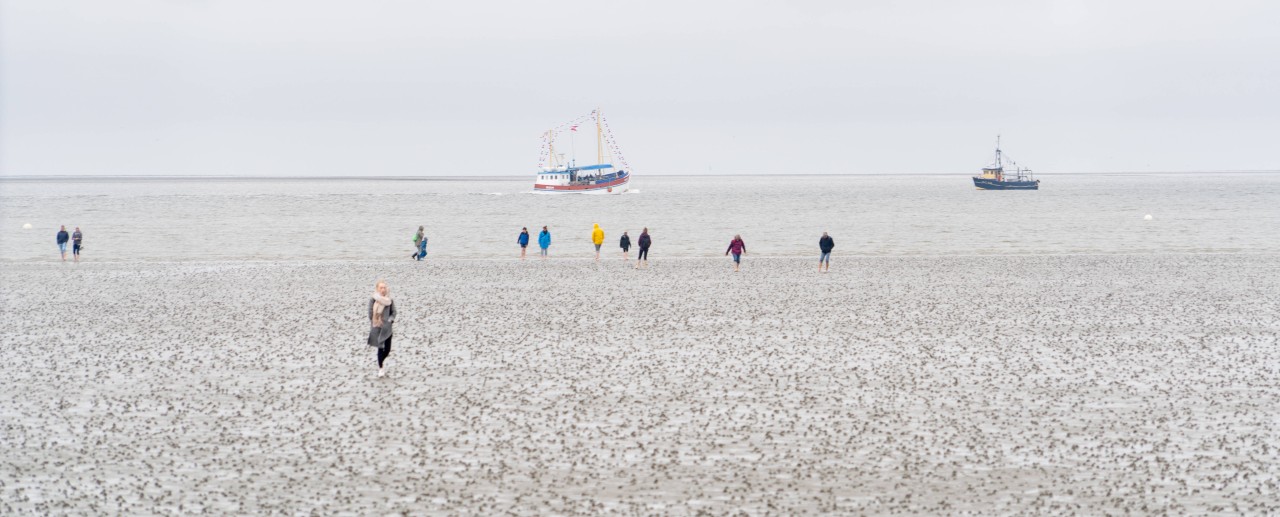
[419, 244]
[544, 241]
[382, 309]
[642, 244]
[737, 247]
[76, 239]
[597, 240]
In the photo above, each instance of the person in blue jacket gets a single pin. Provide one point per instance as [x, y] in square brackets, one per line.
[544, 241]
[523, 240]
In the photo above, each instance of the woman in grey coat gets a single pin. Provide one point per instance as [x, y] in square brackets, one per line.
[382, 313]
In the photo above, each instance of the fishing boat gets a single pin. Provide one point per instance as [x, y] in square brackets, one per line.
[560, 176]
[994, 177]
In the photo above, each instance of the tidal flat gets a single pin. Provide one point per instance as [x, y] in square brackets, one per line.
[1088, 384]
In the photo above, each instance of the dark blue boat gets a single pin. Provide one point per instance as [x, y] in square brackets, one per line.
[994, 177]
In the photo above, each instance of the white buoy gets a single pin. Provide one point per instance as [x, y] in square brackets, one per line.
[26, 226]
[1147, 217]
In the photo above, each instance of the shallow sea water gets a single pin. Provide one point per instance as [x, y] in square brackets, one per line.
[269, 219]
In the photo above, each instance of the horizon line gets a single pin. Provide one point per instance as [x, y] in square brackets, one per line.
[502, 177]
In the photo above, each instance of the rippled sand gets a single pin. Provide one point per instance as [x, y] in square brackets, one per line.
[1083, 384]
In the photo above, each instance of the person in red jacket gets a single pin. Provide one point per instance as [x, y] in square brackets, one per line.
[738, 249]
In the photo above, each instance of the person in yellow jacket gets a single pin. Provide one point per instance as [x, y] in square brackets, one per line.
[597, 238]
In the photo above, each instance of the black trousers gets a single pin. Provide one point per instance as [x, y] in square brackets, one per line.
[644, 254]
[384, 351]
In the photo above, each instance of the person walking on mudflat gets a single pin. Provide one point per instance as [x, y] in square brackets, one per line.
[738, 249]
[77, 238]
[644, 242]
[382, 313]
[523, 241]
[62, 242]
[597, 238]
[419, 243]
[825, 245]
[625, 244]
[544, 241]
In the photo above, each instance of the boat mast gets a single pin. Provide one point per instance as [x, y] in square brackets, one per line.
[551, 147]
[599, 139]
[998, 165]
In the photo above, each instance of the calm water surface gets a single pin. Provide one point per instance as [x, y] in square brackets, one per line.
[235, 219]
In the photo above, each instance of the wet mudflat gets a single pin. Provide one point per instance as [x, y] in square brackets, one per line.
[1008, 384]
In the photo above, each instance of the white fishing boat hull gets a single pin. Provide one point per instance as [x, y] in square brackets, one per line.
[617, 186]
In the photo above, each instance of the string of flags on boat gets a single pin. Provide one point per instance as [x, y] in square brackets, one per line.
[615, 150]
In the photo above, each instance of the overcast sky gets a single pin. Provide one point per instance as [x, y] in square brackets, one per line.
[455, 88]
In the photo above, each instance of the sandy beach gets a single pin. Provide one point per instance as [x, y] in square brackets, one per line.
[999, 384]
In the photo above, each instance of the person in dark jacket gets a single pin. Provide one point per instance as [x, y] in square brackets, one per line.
[825, 244]
[523, 240]
[62, 242]
[738, 249]
[625, 244]
[382, 313]
[642, 260]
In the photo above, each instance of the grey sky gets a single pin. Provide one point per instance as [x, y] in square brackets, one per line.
[453, 88]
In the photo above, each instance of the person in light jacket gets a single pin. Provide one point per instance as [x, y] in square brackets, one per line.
[77, 242]
[382, 313]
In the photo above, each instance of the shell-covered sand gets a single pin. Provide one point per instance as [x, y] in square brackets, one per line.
[1074, 384]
